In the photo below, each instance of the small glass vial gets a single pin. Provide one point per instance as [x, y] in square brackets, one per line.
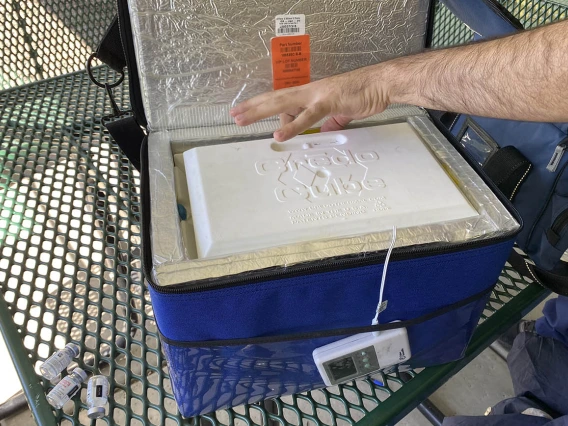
[97, 396]
[57, 362]
[66, 388]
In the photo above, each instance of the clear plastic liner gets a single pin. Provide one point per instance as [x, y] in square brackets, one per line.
[196, 58]
[171, 266]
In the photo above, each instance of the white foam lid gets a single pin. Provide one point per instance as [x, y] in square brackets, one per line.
[251, 195]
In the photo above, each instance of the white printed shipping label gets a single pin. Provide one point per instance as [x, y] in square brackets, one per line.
[290, 25]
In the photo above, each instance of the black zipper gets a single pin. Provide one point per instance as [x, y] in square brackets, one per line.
[504, 13]
[430, 23]
[319, 266]
[130, 56]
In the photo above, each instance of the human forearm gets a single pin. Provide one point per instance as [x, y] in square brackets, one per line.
[523, 77]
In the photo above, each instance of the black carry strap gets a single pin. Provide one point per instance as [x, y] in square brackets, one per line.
[549, 280]
[122, 125]
[110, 49]
[127, 130]
[508, 168]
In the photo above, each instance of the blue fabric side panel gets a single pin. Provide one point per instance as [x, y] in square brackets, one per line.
[480, 17]
[208, 379]
[327, 301]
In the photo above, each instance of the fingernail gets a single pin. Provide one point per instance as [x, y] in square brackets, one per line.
[277, 136]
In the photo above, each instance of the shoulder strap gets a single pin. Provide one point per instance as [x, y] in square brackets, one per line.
[128, 135]
[487, 18]
[549, 280]
[126, 130]
[110, 49]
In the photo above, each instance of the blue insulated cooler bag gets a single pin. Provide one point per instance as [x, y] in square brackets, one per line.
[243, 337]
[526, 160]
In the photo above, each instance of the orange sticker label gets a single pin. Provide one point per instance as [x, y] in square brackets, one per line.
[290, 61]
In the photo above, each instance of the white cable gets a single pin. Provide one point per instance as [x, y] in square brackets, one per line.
[393, 241]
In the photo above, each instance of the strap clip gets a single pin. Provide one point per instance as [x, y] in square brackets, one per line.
[116, 111]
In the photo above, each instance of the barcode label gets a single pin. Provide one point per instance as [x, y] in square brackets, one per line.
[290, 25]
[291, 49]
[291, 65]
[288, 30]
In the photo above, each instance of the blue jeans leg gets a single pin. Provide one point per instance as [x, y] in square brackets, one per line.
[554, 322]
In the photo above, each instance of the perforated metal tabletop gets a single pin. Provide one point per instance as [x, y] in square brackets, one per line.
[70, 266]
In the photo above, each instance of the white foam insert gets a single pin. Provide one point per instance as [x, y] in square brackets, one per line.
[251, 195]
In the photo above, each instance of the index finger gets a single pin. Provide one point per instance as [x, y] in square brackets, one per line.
[269, 108]
[249, 103]
[259, 99]
[278, 102]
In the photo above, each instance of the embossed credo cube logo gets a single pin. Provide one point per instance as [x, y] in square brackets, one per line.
[320, 174]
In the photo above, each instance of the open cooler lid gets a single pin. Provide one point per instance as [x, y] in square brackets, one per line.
[196, 59]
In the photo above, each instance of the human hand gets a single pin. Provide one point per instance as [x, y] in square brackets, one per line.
[354, 95]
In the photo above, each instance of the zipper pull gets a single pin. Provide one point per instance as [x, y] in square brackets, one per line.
[557, 156]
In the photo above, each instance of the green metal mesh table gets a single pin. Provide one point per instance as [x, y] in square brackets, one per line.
[70, 242]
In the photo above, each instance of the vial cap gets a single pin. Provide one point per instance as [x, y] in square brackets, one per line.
[76, 349]
[81, 373]
[96, 412]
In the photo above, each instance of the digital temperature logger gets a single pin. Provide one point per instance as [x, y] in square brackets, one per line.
[361, 355]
